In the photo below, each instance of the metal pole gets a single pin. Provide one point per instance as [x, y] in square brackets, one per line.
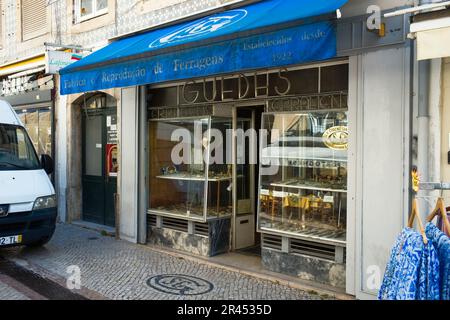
[423, 122]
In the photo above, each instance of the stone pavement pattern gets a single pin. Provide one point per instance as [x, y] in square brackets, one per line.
[8, 293]
[119, 270]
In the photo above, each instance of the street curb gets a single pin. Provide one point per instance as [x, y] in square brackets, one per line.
[323, 293]
[56, 278]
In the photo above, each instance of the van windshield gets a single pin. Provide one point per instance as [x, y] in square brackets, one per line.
[16, 150]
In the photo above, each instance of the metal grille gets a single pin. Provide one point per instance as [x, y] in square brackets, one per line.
[272, 242]
[19, 214]
[12, 227]
[312, 249]
[201, 229]
[175, 224]
[151, 220]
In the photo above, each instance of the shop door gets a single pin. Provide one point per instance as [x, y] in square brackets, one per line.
[246, 180]
[99, 166]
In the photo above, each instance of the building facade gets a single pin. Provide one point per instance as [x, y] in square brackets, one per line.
[332, 211]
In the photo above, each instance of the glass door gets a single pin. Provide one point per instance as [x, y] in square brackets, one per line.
[246, 123]
[100, 161]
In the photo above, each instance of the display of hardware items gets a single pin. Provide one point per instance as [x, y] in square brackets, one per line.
[303, 179]
[181, 182]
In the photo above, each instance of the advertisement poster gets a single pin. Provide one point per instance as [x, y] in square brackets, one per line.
[111, 160]
[112, 164]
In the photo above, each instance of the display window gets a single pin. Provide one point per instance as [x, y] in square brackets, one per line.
[304, 136]
[303, 180]
[185, 181]
[38, 123]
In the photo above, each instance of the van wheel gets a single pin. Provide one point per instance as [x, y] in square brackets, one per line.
[39, 243]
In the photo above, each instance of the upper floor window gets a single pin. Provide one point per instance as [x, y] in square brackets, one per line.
[87, 9]
[34, 18]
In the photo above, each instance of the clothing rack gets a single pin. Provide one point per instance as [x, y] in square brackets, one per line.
[439, 209]
[432, 186]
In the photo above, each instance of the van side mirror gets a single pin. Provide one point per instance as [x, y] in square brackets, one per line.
[47, 163]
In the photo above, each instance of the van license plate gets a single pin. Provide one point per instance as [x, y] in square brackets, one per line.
[4, 241]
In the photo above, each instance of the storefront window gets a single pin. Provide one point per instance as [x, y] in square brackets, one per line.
[183, 183]
[303, 189]
[38, 123]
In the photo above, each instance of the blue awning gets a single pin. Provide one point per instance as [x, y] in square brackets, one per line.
[266, 34]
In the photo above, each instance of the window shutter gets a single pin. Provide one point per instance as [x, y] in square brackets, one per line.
[34, 18]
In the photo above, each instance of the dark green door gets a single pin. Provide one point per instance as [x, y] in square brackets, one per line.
[99, 165]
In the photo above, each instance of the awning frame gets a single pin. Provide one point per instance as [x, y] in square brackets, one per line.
[200, 43]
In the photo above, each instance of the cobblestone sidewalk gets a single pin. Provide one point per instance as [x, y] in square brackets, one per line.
[9, 293]
[120, 270]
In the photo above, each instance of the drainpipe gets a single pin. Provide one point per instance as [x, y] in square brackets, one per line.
[423, 123]
[429, 127]
[434, 108]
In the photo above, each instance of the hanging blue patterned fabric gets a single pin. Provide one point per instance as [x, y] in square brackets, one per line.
[442, 245]
[412, 272]
[429, 280]
[404, 261]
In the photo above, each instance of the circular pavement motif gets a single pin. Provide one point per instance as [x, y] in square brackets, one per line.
[181, 285]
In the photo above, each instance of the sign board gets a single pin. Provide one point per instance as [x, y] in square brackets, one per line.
[56, 60]
[291, 46]
[19, 85]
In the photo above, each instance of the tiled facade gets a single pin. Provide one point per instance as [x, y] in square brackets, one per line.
[123, 17]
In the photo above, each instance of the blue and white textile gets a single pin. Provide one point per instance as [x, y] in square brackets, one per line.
[442, 245]
[412, 272]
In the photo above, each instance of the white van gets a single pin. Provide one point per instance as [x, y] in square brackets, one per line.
[27, 198]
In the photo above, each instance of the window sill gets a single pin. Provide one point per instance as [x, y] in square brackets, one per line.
[90, 17]
[33, 37]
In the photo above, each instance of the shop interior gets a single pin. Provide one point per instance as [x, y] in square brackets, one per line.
[296, 187]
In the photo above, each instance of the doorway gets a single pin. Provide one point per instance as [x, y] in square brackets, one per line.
[99, 159]
[246, 239]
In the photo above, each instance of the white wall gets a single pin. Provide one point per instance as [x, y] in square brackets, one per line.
[359, 7]
[445, 124]
[380, 150]
[61, 155]
[128, 172]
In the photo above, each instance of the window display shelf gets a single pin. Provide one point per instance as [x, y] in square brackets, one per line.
[194, 216]
[298, 162]
[306, 196]
[299, 158]
[194, 177]
[295, 185]
[189, 191]
[336, 238]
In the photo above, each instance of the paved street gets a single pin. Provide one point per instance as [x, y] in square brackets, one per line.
[115, 269]
[9, 293]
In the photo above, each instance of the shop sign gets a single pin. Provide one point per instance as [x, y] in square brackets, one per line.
[323, 101]
[237, 87]
[336, 138]
[201, 28]
[26, 83]
[56, 60]
[295, 45]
